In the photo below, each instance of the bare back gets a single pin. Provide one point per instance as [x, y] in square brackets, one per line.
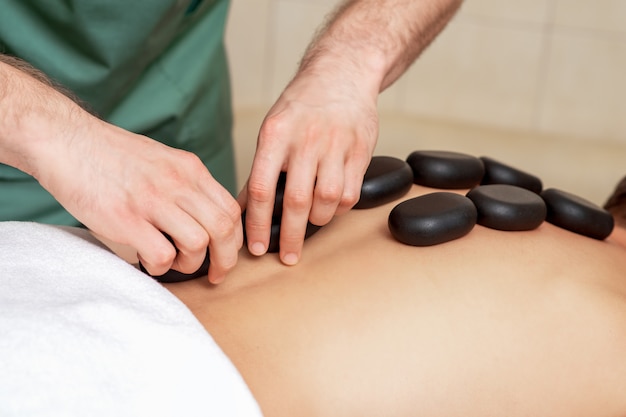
[494, 323]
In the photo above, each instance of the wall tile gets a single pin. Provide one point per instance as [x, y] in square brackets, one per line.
[585, 86]
[246, 40]
[485, 68]
[479, 74]
[391, 99]
[295, 23]
[530, 11]
[603, 15]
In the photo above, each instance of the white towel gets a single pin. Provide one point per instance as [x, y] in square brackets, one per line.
[83, 333]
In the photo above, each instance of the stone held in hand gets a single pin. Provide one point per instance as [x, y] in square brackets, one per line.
[277, 212]
[497, 172]
[386, 179]
[445, 169]
[176, 276]
[507, 207]
[432, 219]
[577, 214]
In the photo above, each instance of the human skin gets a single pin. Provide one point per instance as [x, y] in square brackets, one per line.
[130, 188]
[492, 324]
[121, 185]
[323, 128]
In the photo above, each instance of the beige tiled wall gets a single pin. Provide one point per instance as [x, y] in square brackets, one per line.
[549, 66]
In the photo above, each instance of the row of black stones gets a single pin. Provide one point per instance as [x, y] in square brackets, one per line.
[501, 197]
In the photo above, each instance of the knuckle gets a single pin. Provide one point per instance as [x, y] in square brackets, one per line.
[350, 198]
[162, 258]
[233, 211]
[229, 262]
[223, 228]
[361, 151]
[190, 159]
[272, 127]
[220, 265]
[291, 240]
[186, 266]
[259, 191]
[329, 194]
[196, 241]
[188, 165]
[297, 200]
[256, 226]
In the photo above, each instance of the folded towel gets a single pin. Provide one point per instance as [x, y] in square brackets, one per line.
[83, 333]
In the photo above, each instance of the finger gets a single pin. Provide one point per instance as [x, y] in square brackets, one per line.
[261, 193]
[228, 205]
[328, 191]
[297, 202]
[223, 249]
[242, 197]
[222, 221]
[154, 251]
[354, 172]
[189, 238]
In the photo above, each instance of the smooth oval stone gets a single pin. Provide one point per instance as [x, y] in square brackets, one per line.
[576, 214]
[447, 170]
[432, 219]
[280, 194]
[498, 173]
[507, 207]
[386, 179]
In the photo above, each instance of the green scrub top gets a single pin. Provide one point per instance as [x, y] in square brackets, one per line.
[155, 67]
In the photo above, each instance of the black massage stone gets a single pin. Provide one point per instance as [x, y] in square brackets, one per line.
[507, 207]
[577, 215]
[386, 179]
[280, 193]
[432, 219]
[446, 170]
[499, 173]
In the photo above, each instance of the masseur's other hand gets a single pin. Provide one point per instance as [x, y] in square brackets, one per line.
[322, 131]
[130, 189]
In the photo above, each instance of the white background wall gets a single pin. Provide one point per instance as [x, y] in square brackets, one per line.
[545, 66]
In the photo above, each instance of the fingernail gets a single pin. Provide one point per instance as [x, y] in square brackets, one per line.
[290, 259]
[257, 248]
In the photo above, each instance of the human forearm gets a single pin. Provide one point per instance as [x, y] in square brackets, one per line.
[35, 113]
[377, 40]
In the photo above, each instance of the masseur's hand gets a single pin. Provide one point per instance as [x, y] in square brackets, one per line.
[130, 189]
[322, 131]
[323, 128]
[125, 187]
